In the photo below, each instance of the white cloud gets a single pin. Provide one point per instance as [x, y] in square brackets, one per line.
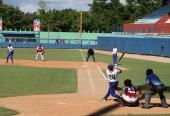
[123, 1]
[75, 4]
[29, 7]
[32, 5]
[52, 0]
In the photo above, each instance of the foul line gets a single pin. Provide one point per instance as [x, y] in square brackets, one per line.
[83, 57]
[89, 74]
[91, 82]
[101, 72]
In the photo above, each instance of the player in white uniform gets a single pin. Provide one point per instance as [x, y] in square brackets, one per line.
[112, 75]
[114, 52]
[10, 53]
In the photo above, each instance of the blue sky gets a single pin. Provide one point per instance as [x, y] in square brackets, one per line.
[33, 5]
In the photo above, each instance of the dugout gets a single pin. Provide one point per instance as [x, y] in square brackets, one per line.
[19, 36]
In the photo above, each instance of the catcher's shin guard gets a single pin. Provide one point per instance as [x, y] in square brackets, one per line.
[147, 99]
[164, 103]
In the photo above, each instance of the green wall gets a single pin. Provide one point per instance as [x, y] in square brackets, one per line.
[52, 36]
[68, 35]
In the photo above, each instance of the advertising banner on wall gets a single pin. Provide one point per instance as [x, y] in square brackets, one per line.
[36, 24]
[0, 23]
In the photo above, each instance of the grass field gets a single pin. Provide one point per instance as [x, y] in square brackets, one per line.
[20, 80]
[50, 54]
[7, 112]
[136, 68]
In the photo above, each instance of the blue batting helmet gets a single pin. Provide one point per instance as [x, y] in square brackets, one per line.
[110, 67]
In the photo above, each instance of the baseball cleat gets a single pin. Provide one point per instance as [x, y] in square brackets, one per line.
[103, 99]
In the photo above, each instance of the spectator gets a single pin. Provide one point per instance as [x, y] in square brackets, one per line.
[56, 42]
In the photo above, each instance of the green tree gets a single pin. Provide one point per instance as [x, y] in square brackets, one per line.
[103, 16]
[1, 2]
[106, 15]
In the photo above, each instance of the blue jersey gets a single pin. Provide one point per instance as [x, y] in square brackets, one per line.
[153, 79]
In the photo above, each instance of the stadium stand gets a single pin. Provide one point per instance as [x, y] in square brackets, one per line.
[156, 22]
[154, 16]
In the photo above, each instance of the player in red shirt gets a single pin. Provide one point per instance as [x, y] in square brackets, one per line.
[131, 94]
[40, 52]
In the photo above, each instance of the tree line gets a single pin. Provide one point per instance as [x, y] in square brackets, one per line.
[103, 16]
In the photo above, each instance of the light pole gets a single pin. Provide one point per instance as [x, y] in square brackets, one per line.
[48, 26]
[81, 23]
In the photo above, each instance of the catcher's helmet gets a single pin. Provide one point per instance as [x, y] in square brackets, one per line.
[128, 82]
[149, 71]
[110, 67]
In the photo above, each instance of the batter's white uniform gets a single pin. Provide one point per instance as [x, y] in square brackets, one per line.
[112, 76]
[113, 82]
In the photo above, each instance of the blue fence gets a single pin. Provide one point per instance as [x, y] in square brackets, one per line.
[136, 44]
[131, 44]
[51, 43]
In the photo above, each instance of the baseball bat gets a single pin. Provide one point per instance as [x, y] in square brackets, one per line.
[121, 57]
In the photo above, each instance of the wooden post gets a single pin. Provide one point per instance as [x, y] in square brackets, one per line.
[81, 22]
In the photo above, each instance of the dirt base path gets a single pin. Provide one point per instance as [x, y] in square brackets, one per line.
[92, 85]
[141, 57]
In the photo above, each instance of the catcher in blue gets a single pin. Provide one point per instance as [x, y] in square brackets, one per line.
[112, 75]
[154, 85]
[10, 53]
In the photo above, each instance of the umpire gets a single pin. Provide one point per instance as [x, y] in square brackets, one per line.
[154, 85]
[90, 52]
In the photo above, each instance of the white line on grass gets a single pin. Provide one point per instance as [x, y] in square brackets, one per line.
[83, 57]
[101, 72]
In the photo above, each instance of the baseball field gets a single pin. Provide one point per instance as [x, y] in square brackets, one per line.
[64, 84]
